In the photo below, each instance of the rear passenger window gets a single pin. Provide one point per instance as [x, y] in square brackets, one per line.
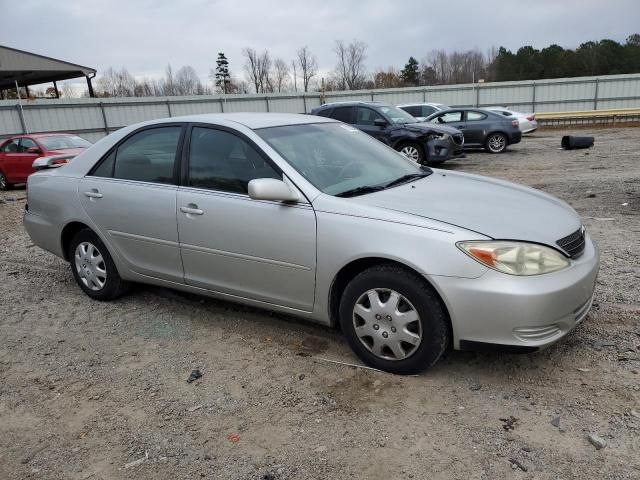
[342, 114]
[426, 111]
[147, 156]
[415, 111]
[220, 160]
[475, 116]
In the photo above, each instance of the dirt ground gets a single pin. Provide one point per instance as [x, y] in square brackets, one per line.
[92, 390]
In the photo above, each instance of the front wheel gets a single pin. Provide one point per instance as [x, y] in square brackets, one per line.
[496, 143]
[413, 151]
[393, 320]
[4, 183]
[93, 268]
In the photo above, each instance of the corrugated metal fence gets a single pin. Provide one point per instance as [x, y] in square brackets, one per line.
[95, 117]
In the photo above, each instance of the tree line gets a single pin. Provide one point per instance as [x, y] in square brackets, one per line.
[263, 73]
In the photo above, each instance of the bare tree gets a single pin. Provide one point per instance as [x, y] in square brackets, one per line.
[187, 82]
[116, 83]
[350, 72]
[169, 86]
[280, 74]
[308, 65]
[257, 68]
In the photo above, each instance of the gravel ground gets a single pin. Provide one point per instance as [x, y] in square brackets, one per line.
[95, 390]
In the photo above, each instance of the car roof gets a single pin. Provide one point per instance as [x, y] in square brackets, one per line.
[417, 104]
[355, 102]
[250, 120]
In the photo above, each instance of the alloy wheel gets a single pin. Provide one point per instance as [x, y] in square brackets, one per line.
[3, 181]
[411, 152]
[387, 324]
[90, 266]
[497, 143]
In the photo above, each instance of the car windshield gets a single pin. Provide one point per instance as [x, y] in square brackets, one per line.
[339, 159]
[397, 115]
[61, 142]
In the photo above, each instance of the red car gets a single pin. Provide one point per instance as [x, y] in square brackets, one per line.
[18, 153]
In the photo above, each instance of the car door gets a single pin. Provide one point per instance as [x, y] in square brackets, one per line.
[230, 243]
[11, 160]
[131, 197]
[475, 127]
[366, 119]
[29, 151]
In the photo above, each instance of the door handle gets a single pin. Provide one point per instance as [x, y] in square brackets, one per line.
[93, 193]
[191, 209]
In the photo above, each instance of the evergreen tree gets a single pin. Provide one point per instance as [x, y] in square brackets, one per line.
[410, 74]
[223, 77]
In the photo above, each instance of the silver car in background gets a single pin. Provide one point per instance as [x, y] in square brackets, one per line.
[310, 216]
[527, 121]
[423, 110]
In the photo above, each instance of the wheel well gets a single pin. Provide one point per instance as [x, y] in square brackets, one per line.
[349, 272]
[68, 232]
[506, 136]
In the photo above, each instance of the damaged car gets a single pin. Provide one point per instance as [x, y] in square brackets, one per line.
[426, 144]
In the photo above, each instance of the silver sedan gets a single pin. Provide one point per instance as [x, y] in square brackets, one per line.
[312, 217]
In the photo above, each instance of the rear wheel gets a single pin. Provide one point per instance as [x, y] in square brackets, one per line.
[393, 320]
[496, 143]
[4, 184]
[413, 151]
[93, 268]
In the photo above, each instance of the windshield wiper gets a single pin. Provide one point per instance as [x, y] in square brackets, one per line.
[406, 179]
[354, 192]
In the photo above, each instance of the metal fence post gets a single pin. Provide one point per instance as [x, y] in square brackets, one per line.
[424, 95]
[266, 99]
[371, 95]
[477, 87]
[104, 118]
[169, 107]
[221, 105]
[304, 103]
[595, 96]
[23, 124]
[533, 97]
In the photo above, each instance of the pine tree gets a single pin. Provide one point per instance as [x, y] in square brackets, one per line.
[410, 73]
[223, 77]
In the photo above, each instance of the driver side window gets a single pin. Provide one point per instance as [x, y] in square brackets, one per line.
[367, 116]
[11, 146]
[449, 117]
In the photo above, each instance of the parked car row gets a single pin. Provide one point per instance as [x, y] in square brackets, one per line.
[431, 133]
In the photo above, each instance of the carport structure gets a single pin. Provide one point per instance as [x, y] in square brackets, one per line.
[28, 68]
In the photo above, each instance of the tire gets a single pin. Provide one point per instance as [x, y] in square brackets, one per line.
[413, 151]
[93, 268]
[496, 143]
[4, 184]
[417, 334]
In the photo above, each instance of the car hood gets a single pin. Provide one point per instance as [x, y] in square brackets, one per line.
[65, 151]
[430, 127]
[491, 207]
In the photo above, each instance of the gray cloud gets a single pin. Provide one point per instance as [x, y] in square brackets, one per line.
[145, 35]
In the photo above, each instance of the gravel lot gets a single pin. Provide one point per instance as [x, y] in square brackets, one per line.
[93, 390]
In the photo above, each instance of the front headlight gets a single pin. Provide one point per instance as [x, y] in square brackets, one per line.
[436, 136]
[515, 258]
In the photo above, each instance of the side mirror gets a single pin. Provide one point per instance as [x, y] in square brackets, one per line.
[378, 122]
[272, 189]
[33, 150]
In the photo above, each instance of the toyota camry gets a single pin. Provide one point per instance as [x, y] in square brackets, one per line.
[312, 217]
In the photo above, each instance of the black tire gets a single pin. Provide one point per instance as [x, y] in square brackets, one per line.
[412, 146]
[433, 319]
[496, 142]
[4, 184]
[113, 286]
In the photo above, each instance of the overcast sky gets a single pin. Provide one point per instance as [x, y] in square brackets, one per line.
[145, 35]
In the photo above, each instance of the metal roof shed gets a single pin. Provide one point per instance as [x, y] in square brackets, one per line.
[28, 68]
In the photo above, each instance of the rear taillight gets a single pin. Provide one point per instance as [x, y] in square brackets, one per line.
[531, 118]
[515, 123]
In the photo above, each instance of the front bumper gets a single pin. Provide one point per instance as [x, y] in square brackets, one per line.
[520, 313]
[441, 149]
